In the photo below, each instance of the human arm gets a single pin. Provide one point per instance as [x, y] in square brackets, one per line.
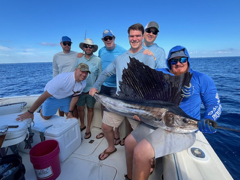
[93, 91]
[36, 104]
[72, 105]
[212, 105]
[79, 55]
[150, 53]
[109, 71]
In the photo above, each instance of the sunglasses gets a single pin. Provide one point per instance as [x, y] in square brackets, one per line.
[108, 38]
[67, 43]
[76, 92]
[181, 60]
[154, 31]
[88, 46]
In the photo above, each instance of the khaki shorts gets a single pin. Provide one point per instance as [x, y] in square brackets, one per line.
[114, 120]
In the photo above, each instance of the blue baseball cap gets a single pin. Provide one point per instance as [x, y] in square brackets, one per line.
[107, 32]
[65, 38]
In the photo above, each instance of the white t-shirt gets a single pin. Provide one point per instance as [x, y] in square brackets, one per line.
[64, 85]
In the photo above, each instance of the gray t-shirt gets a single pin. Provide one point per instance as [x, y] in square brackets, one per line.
[64, 62]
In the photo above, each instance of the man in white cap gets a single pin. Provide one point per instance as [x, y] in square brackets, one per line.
[150, 35]
[64, 61]
[95, 67]
[107, 54]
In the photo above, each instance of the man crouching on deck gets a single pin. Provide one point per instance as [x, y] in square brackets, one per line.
[61, 92]
[145, 144]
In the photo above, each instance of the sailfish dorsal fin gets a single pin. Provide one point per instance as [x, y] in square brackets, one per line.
[140, 82]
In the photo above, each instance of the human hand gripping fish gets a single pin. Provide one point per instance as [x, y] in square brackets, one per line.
[93, 91]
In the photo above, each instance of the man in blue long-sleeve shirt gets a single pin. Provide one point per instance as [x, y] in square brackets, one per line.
[144, 143]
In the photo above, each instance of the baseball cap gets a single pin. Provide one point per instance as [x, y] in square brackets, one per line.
[180, 53]
[83, 67]
[65, 38]
[107, 32]
[152, 24]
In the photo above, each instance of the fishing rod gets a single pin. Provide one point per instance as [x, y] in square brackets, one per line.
[229, 129]
[215, 125]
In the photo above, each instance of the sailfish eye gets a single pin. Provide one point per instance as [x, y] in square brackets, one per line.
[185, 120]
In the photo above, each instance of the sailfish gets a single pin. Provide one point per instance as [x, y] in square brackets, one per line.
[153, 96]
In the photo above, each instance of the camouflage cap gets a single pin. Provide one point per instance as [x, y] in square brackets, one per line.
[83, 67]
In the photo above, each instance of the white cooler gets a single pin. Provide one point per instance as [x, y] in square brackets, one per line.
[65, 131]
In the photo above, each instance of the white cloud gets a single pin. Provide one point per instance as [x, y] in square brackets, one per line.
[25, 53]
[48, 44]
[3, 48]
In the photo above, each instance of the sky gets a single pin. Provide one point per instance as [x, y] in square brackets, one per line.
[30, 30]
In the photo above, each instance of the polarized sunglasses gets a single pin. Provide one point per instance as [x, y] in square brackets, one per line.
[67, 43]
[88, 46]
[181, 60]
[108, 38]
[154, 31]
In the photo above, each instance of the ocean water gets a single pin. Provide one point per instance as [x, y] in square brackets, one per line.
[30, 78]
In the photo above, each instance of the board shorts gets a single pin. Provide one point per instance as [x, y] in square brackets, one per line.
[163, 142]
[110, 91]
[86, 99]
[51, 105]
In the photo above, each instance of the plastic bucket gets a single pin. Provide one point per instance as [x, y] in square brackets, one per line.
[45, 159]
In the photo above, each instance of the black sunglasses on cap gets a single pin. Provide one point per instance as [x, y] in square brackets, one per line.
[107, 38]
[154, 31]
[88, 46]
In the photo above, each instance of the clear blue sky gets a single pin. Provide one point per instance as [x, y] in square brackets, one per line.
[30, 30]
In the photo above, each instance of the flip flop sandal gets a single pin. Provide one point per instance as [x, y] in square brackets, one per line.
[153, 165]
[100, 135]
[87, 134]
[117, 141]
[83, 128]
[122, 142]
[107, 153]
[126, 177]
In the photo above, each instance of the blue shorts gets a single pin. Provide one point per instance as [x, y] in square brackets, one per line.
[51, 105]
[111, 91]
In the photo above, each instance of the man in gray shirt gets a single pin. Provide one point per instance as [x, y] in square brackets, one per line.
[65, 62]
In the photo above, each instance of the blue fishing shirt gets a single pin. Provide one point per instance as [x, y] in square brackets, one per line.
[108, 56]
[159, 54]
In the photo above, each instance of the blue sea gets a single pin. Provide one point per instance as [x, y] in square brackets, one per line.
[30, 78]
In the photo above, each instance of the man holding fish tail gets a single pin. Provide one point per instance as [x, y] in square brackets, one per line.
[113, 120]
[145, 143]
